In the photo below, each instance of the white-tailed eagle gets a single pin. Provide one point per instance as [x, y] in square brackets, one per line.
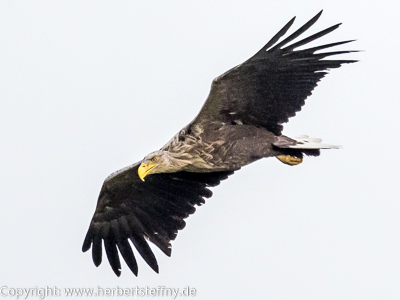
[239, 123]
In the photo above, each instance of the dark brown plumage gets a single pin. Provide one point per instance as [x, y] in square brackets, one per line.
[239, 124]
[129, 209]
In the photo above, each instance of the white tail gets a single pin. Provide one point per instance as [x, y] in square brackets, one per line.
[305, 142]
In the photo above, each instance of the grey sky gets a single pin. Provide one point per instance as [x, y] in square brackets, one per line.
[89, 87]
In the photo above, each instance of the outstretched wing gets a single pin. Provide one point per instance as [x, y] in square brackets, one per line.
[130, 209]
[272, 85]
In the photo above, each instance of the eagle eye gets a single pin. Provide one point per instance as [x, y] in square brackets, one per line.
[153, 159]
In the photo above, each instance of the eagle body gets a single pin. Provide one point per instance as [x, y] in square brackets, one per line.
[240, 123]
[221, 147]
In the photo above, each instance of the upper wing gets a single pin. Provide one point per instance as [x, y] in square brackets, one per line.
[129, 208]
[272, 85]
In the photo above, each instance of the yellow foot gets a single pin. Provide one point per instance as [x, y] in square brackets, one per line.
[289, 160]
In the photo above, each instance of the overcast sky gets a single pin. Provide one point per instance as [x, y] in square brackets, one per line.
[89, 87]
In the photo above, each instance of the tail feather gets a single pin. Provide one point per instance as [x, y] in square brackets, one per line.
[301, 142]
[305, 142]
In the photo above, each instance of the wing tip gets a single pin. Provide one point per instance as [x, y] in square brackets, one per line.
[154, 268]
[87, 243]
[97, 262]
[117, 272]
[86, 247]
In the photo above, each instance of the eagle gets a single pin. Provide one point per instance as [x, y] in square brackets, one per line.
[240, 123]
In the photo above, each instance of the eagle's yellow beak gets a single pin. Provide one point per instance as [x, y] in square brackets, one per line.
[144, 170]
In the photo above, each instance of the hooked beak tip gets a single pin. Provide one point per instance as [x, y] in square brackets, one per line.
[142, 171]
